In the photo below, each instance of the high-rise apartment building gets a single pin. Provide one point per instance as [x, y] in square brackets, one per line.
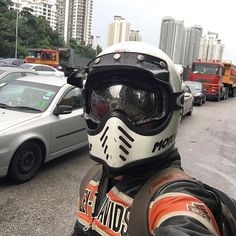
[39, 8]
[191, 44]
[179, 43]
[134, 35]
[211, 47]
[171, 37]
[74, 19]
[118, 31]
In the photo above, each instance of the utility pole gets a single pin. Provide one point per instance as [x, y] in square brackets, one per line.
[17, 20]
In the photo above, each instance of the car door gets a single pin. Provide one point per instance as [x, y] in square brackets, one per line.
[69, 130]
[44, 70]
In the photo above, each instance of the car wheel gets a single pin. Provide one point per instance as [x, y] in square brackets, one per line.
[200, 102]
[181, 115]
[190, 111]
[25, 162]
[204, 100]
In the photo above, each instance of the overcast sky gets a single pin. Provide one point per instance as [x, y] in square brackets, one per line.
[146, 16]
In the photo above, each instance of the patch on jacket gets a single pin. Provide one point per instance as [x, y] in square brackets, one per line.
[199, 209]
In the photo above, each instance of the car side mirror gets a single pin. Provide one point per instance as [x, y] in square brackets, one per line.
[187, 95]
[62, 110]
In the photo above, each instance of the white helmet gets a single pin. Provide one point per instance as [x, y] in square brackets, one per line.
[133, 99]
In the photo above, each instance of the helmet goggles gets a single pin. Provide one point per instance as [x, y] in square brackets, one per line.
[138, 103]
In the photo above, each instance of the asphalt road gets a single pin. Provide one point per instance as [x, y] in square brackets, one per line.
[46, 205]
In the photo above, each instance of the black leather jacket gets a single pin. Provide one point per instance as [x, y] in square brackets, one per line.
[180, 209]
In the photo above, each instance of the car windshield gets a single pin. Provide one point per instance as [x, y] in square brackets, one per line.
[195, 87]
[205, 69]
[27, 96]
[2, 71]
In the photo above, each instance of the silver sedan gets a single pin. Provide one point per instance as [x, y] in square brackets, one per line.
[41, 118]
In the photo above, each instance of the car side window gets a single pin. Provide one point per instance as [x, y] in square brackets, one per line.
[38, 68]
[29, 74]
[45, 68]
[11, 77]
[73, 98]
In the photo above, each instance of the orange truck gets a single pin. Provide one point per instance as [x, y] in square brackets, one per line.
[63, 58]
[218, 77]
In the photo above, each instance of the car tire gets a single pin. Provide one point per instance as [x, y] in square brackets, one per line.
[190, 111]
[26, 162]
[204, 100]
[200, 102]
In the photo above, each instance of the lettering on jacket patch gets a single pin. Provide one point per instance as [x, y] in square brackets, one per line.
[199, 209]
[86, 205]
[163, 143]
[114, 215]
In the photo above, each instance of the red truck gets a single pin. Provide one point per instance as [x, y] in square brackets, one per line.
[218, 78]
[64, 59]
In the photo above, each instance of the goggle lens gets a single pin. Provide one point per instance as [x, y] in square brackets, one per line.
[139, 104]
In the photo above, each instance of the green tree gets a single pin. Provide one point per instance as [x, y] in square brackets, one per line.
[33, 32]
[81, 49]
[98, 49]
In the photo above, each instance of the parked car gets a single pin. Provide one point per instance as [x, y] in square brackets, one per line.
[41, 119]
[43, 69]
[188, 100]
[13, 61]
[8, 74]
[198, 92]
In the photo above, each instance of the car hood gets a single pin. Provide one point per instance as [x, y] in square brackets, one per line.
[9, 118]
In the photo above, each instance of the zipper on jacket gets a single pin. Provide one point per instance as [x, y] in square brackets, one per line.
[86, 228]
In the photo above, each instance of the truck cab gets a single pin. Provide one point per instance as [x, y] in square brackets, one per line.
[210, 73]
[43, 56]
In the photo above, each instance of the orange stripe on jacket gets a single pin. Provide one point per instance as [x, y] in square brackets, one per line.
[174, 204]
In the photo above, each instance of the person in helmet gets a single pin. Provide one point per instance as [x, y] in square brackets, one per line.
[132, 105]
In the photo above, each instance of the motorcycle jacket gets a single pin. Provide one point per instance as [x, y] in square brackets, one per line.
[183, 208]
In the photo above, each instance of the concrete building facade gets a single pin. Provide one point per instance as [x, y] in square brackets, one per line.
[179, 43]
[192, 43]
[118, 31]
[134, 35]
[39, 8]
[74, 19]
[211, 48]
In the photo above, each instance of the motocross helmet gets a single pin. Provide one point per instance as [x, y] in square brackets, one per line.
[133, 100]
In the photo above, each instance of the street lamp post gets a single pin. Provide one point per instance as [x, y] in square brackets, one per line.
[17, 20]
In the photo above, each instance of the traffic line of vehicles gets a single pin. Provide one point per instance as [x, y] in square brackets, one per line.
[208, 80]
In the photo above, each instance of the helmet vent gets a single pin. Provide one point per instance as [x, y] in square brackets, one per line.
[103, 139]
[122, 158]
[125, 142]
[125, 133]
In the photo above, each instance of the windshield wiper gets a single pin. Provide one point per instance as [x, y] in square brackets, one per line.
[26, 108]
[3, 105]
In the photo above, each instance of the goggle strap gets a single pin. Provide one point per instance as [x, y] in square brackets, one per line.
[177, 101]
